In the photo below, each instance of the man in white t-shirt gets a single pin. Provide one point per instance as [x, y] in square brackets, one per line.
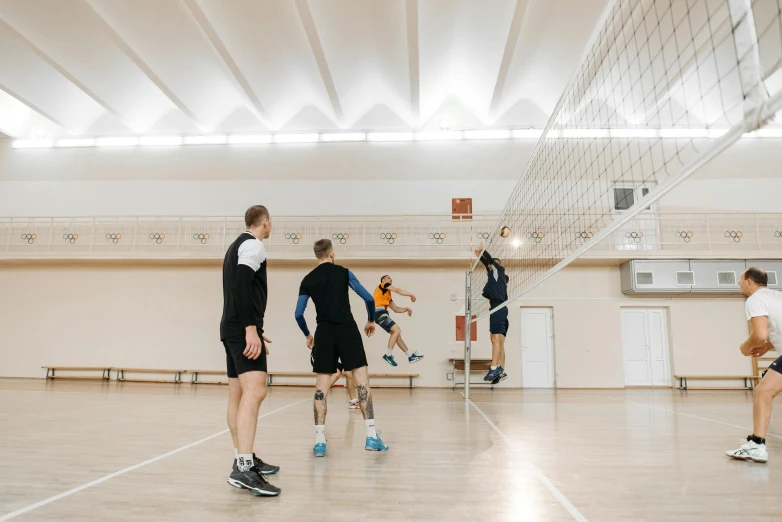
[764, 312]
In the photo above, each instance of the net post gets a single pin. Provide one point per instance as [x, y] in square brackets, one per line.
[467, 332]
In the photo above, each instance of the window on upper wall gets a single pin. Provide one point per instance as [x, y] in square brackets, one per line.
[626, 196]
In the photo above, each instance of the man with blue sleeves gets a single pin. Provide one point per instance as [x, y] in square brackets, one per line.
[337, 338]
[496, 291]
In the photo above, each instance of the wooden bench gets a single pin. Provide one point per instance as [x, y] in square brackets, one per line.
[196, 373]
[410, 376]
[476, 365]
[749, 381]
[105, 372]
[121, 374]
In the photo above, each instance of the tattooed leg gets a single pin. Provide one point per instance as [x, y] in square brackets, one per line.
[320, 405]
[361, 377]
[365, 401]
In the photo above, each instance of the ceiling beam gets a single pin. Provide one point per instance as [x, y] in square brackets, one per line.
[305, 15]
[31, 106]
[142, 65]
[411, 9]
[507, 56]
[57, 67]
[256, 107]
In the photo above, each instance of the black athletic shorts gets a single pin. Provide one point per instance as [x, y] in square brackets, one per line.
[238, 363]
[312, 361]
[776, 366]
[498, 322]
[338, 343]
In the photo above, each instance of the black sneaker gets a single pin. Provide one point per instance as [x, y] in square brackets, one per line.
[263, 467]
[253, 481]
[502, 377]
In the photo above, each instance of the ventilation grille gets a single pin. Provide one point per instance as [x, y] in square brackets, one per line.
[772, 278]
[726, 278]
[685, 278]
[644, 278]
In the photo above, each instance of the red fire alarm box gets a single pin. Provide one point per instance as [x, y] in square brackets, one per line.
[461, 208]
[460, 329]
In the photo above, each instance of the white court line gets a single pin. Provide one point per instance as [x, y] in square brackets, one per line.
[574, 512]
[126, 470]
[693, 416]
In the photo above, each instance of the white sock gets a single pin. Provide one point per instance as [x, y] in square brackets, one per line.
[493, 367]
[244, 461]
[236, 453]
[320, 433]
[390, 352]
[371, 428]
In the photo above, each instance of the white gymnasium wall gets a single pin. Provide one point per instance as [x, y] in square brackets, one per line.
[167, 316]
[231, 198]
[337, 178]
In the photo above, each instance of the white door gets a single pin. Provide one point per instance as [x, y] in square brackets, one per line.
[537, 348]
[645, 344]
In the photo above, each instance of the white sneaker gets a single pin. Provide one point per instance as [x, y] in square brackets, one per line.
[353, 405]
[750, 450]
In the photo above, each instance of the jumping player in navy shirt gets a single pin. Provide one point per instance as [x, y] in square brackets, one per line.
[496, 291]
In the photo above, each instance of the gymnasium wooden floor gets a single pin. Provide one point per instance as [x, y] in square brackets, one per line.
[91, 451]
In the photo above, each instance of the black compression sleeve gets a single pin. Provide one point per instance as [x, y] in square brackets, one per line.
[244, 295]
[486, 259]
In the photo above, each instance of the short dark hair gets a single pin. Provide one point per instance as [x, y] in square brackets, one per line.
[757, 276]
[254, 215]
[381, 279]
[322, 248]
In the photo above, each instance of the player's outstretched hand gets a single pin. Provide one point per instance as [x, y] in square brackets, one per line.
[412, 298]
[310, 342]
[479, 250]
[369, 329]
[409, 312]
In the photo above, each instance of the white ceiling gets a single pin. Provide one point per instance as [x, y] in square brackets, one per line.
[113, 67]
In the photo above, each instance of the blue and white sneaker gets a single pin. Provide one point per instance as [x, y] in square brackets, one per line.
[414, 358]
[390, 360]
[320, 449]
[493, 374]
[375, 444]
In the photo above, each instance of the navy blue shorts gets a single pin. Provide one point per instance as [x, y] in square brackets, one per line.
[383, 320]
[498, 322]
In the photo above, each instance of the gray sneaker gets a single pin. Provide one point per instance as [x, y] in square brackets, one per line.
[254, 481]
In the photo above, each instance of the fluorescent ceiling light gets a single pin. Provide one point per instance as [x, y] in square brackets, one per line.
[527, 134]
[32, 144]
[161, 140]
[220, 139]
[487, 134]
[390, 136]
[344, 136]
[438, 136]
[684, 133]
[765, 133]
[76, 142]
[584, 133]
[116, 142]
[716, 133]
[296, 138]
[249, 139]
[634, 133]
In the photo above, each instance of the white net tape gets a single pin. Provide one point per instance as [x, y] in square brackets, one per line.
[664, 86]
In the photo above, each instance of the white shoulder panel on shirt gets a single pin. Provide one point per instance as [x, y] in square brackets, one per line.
[252, 254]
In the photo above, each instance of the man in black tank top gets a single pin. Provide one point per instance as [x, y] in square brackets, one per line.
[337, 337]
[241, 330]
